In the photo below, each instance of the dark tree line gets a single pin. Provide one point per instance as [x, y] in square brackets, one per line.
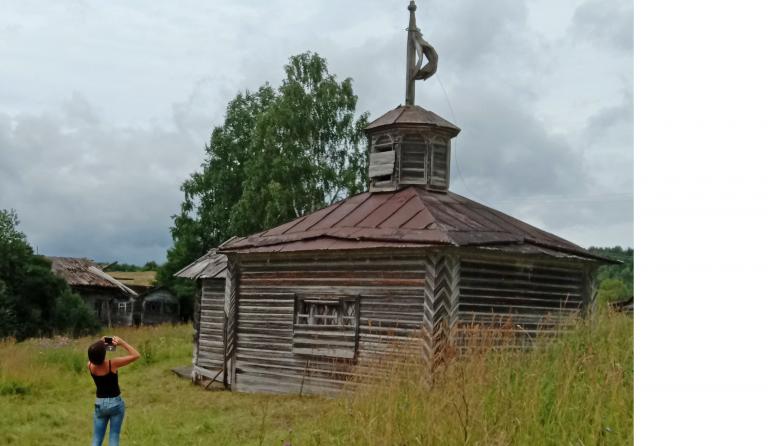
[34, 301]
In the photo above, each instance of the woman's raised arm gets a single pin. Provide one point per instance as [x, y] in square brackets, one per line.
[133, 354]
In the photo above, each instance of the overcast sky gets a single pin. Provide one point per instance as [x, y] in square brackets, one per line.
[105, 107]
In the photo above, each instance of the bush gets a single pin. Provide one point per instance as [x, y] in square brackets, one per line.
[74, 317]
[13, 388]
[7, 315]
[612, 290]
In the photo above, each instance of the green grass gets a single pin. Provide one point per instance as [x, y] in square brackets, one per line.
[575, 391]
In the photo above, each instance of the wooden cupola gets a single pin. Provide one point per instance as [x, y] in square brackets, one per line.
[409, 145]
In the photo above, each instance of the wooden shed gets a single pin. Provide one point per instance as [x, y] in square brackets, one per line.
[209, 273]
[158, 306]
[402, 267]
[112, 302]
[142, 282]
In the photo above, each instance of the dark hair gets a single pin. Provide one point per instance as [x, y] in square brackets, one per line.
[96, 352]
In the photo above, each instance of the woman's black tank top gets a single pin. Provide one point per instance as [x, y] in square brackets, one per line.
[106, 385]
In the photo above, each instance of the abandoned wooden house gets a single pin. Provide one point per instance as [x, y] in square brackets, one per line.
[158, 306]
[112, 302]
[313, 302]
[209, 273]
[139, 281]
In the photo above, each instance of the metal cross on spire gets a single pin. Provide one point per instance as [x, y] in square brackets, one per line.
[417, 47]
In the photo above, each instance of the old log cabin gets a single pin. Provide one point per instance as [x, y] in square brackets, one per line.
[209, 274]
[321, 298]
[111, 301]
[139, 281]
[158, 306]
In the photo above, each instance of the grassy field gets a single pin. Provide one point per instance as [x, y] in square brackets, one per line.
[575, 391]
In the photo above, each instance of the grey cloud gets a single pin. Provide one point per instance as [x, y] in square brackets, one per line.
[506, 151]
[475, 28]
[605, 22]
[99, 174]
[89, 189]
[605, 142]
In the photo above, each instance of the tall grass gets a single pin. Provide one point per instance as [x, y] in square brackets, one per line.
[575, 390]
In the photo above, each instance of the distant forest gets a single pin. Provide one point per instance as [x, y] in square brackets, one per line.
[616, 282]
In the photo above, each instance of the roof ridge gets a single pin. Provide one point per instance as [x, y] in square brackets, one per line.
[394, 211]
[376, 208]
[426, 209]
[354, 208]
[402, 110]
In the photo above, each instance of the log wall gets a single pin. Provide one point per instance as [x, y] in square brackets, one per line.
[105, 305]
[389, 291]
[532, 296]
[209, 357]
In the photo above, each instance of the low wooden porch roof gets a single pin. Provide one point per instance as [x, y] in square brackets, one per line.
[210, 266]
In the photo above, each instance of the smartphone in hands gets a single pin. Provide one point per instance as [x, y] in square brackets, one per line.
[110, 345]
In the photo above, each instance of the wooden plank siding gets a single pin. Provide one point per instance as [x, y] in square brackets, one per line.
[209, 358]
[528, 296]
[390, 293]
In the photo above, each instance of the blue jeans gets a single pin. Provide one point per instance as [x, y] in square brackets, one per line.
[108, 410]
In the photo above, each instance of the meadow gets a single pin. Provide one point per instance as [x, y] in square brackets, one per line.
[575, 390]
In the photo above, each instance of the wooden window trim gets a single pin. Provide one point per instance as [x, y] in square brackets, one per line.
[330, 341]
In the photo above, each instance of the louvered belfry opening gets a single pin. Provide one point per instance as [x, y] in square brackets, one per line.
[410, 146]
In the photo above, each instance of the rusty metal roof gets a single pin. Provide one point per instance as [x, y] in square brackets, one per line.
[410, 217]
[210, 266]
[405, 115]
[84, 272]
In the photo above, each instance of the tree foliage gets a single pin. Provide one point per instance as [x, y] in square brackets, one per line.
[612, 290]
[616, 282]
[280, 153]
[33, 301]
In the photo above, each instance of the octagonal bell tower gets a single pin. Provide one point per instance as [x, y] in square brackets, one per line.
[409, 145]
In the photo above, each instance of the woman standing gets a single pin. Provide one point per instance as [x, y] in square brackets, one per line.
[110, 408]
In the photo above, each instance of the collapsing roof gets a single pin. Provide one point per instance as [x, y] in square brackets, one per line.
[210, 266]
[135, 278]
[410, 217]
[85, 273]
